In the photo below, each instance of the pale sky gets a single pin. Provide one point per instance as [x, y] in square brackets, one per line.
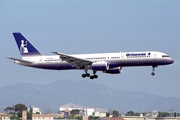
[93, 26]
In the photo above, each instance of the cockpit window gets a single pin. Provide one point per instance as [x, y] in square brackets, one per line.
[165, 56]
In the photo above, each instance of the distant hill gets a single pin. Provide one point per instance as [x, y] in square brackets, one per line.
[50, 97]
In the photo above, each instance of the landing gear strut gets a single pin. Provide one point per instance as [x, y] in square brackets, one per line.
[153, 69]
[94, 75]
[88, 75]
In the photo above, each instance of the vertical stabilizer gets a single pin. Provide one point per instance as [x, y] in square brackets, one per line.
[24, 46]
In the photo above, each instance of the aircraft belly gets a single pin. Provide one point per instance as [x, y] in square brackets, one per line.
[55, 66]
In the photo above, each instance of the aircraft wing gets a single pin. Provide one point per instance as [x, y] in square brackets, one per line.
[77, 62]
[20, 60]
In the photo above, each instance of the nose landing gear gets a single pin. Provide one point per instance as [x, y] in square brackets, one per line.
[153, 69]
[152, 73]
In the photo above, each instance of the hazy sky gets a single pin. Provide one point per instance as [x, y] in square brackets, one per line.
[93, 26]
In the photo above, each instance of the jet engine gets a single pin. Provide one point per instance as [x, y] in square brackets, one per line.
[113, 70]
[100, 65]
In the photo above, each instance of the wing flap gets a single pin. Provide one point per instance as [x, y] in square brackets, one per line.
[78, 62]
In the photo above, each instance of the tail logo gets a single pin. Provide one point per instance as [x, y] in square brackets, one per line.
[23, 47]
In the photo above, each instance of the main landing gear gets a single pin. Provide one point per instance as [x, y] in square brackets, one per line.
[153, 69]
[88, 75]
[85, 75]
[93, 76]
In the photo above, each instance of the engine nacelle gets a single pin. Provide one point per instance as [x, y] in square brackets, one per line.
[100, 65]
[113, 70]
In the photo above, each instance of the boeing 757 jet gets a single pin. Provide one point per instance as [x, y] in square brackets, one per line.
[111, 63]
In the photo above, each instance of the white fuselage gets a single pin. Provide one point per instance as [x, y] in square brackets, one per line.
[121, 59]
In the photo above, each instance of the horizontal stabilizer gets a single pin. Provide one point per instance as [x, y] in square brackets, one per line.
[20, 60]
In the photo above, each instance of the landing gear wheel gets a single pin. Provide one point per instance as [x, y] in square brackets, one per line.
[83, 75]
[95, 76]
[152, 73]
[91, 77]
[153, 69]
[87, 74]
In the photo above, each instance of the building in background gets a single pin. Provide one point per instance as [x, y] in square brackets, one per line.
[66, 113]
[42, 117]
[24, 115]
[100, 114]
[114, 118]
[83, 111]
[34, 110]
[4, 116]
[84, 118]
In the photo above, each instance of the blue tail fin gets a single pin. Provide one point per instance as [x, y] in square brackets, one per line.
[25, 47]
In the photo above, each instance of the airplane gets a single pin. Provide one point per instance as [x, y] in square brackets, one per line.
[111, 63]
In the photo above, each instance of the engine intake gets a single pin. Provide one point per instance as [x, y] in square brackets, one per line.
[100, 65]
[113, 70]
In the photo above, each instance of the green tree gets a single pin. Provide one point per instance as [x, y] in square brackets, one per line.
[78, 117]
[115, 113]
[59, 118]
[29, 115]
[17, 109]
[19, 114]
[144, 113]
[93, 118]
[71, 117]
[163, 114]
[8, 109]
[20, 107]
[178, 114]
[74, 117]
[130, 113]
[75, 111]
[137, 114]
[14, 117]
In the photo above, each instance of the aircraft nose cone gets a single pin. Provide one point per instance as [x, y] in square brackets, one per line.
[168, 61]
[171, 61]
